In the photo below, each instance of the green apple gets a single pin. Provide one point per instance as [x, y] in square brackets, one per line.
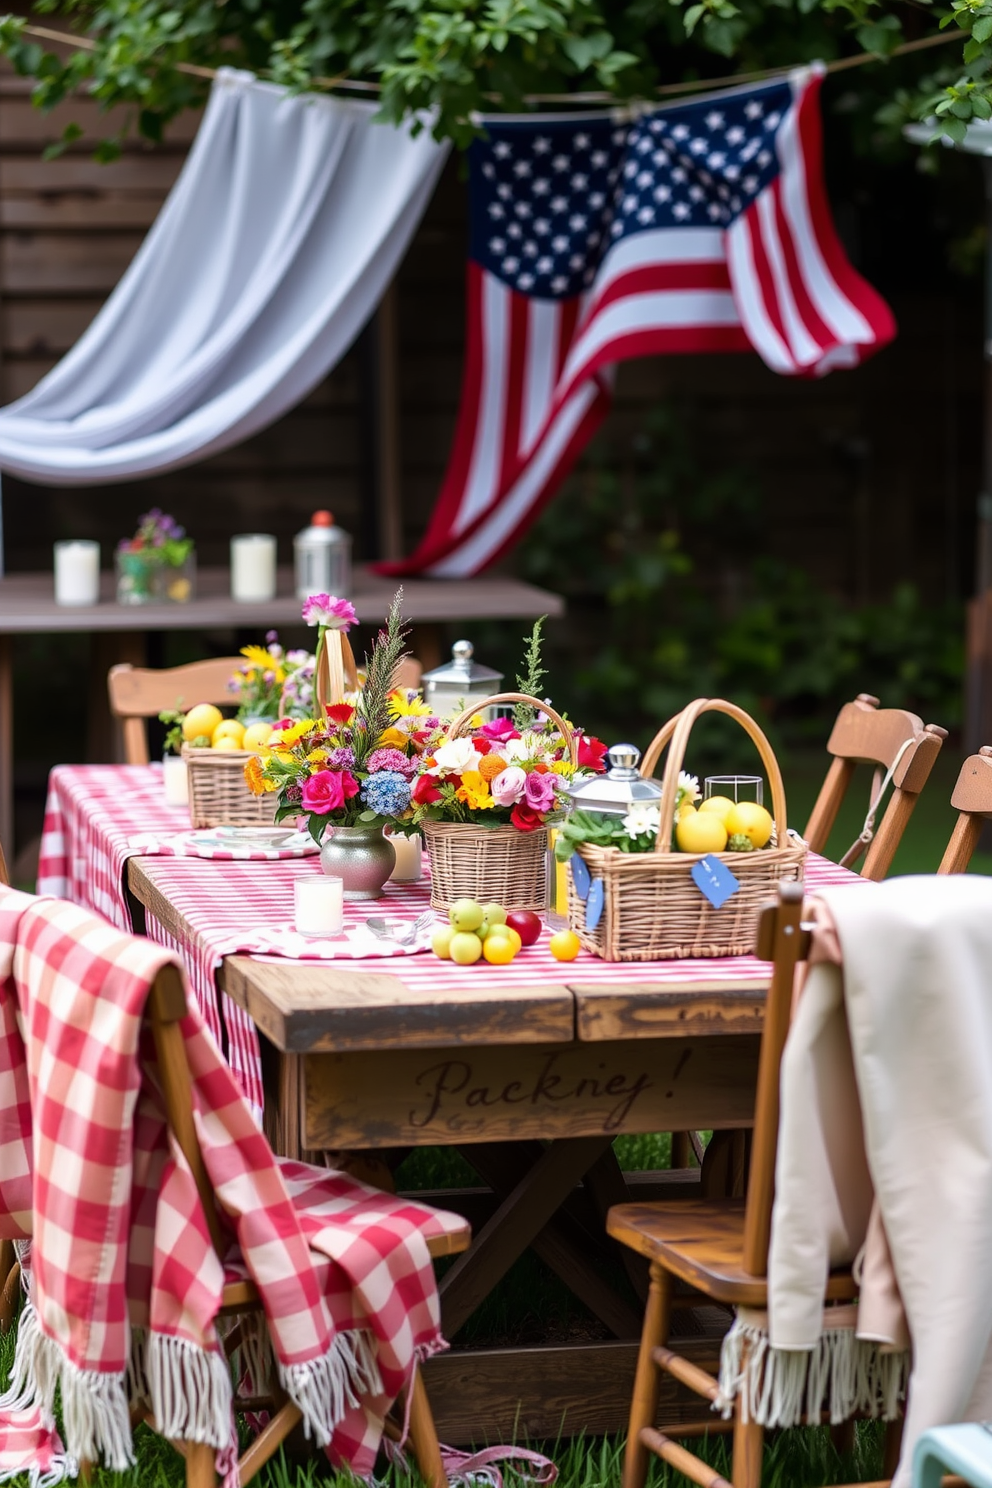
[465, 948]
[495, 914]
[466, 914]
[441, 941]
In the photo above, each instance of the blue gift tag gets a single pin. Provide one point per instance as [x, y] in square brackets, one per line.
[594, 904]
[580, 876]
[714, 880]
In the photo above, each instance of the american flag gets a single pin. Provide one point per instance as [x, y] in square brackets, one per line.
[702, 226]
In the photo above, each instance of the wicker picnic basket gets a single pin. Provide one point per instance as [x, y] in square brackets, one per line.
[652, 908]
[219, 794]
[501, 865]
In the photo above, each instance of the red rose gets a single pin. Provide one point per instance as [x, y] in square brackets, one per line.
[480, 744]
[425, 791]
[525, 818]
[592, 752]
[327, 791]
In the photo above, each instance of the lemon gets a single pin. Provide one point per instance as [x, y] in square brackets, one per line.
[751, 820]
[441, 941]
[229, 728]
[257, 736]
[721, 806]
[201, 721]
[226, 745]
[702, 832]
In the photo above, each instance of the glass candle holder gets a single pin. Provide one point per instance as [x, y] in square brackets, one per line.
[77, 572]
[735, 787]
[409, 858]
[176, 780]
[318, 905]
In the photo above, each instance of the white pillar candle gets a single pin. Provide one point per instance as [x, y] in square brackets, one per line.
[77, 573]
[408, 867]
[318, 905]
[176, 780]
[253, 567]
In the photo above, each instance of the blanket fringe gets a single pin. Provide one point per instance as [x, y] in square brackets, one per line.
[189, 1390]
[785, 1387]
[94, 1404]
[325, 1388]
[59, 1470]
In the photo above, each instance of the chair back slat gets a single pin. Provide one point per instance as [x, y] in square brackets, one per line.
[166, 1007]
[782, 941]
[863, 733]
[4, 875]
[972, 799]
[137, 693]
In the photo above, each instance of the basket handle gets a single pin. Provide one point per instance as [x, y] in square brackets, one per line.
[335, 666]
[456, 726]
[676, 732]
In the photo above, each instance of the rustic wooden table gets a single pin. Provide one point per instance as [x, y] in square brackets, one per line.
[27, 607]
[531, 1085]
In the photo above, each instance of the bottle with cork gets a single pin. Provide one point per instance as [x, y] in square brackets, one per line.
[323, 558]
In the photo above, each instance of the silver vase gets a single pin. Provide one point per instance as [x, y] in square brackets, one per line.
[360, 856]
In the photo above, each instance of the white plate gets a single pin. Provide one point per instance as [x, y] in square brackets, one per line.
[253, 836]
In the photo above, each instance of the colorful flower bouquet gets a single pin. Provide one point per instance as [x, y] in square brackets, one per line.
[272, 683]
[352, 765]
[484, 800]
[156, 564]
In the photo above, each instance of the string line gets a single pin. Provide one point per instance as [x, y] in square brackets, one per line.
[664, 90]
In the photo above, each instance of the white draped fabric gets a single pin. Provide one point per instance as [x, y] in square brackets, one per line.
[274, 247]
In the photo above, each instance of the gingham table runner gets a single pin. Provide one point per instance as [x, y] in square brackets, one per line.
[248, 907]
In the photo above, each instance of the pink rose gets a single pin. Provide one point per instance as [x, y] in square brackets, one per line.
[329, 611]
[539, 791]
[328, 790]
[508, 786]
[499, 729]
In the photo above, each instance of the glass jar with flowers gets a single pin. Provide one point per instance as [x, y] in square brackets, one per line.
[157, 565]
[347, 770]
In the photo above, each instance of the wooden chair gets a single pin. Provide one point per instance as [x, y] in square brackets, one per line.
[137, 693]
[166, 1008]
[718, 1247]
[892, 740]
[972, 797]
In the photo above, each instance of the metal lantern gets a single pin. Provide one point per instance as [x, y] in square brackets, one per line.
[455, 686]
[619, 789]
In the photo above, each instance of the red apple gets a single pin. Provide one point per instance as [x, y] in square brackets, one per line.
[526, 923]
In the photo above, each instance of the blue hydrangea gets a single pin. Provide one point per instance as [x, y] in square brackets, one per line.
[387, 793]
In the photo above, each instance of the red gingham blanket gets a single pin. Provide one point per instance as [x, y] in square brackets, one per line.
[93, 813]
[124, 1283]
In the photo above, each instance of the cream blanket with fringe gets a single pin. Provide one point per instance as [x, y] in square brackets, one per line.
[885, 1161]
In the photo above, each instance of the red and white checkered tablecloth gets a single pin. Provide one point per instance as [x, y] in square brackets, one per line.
[228, 907]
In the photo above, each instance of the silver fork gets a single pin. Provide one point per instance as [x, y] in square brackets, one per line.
[401, 932]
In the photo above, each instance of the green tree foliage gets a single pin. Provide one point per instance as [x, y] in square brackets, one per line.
[457, 57]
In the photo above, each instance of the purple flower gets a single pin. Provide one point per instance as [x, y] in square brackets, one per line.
[342, 759]
[294, 791]
[499, 730]
[271, 636]
[390, 759]
[539, 791]
[329, 611]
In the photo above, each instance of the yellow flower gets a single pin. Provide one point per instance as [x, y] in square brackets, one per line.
[258, 656]
[561, 767]
[298, 731]
[405, 702]
[316, 755]
[392, 739]
[474, 791]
